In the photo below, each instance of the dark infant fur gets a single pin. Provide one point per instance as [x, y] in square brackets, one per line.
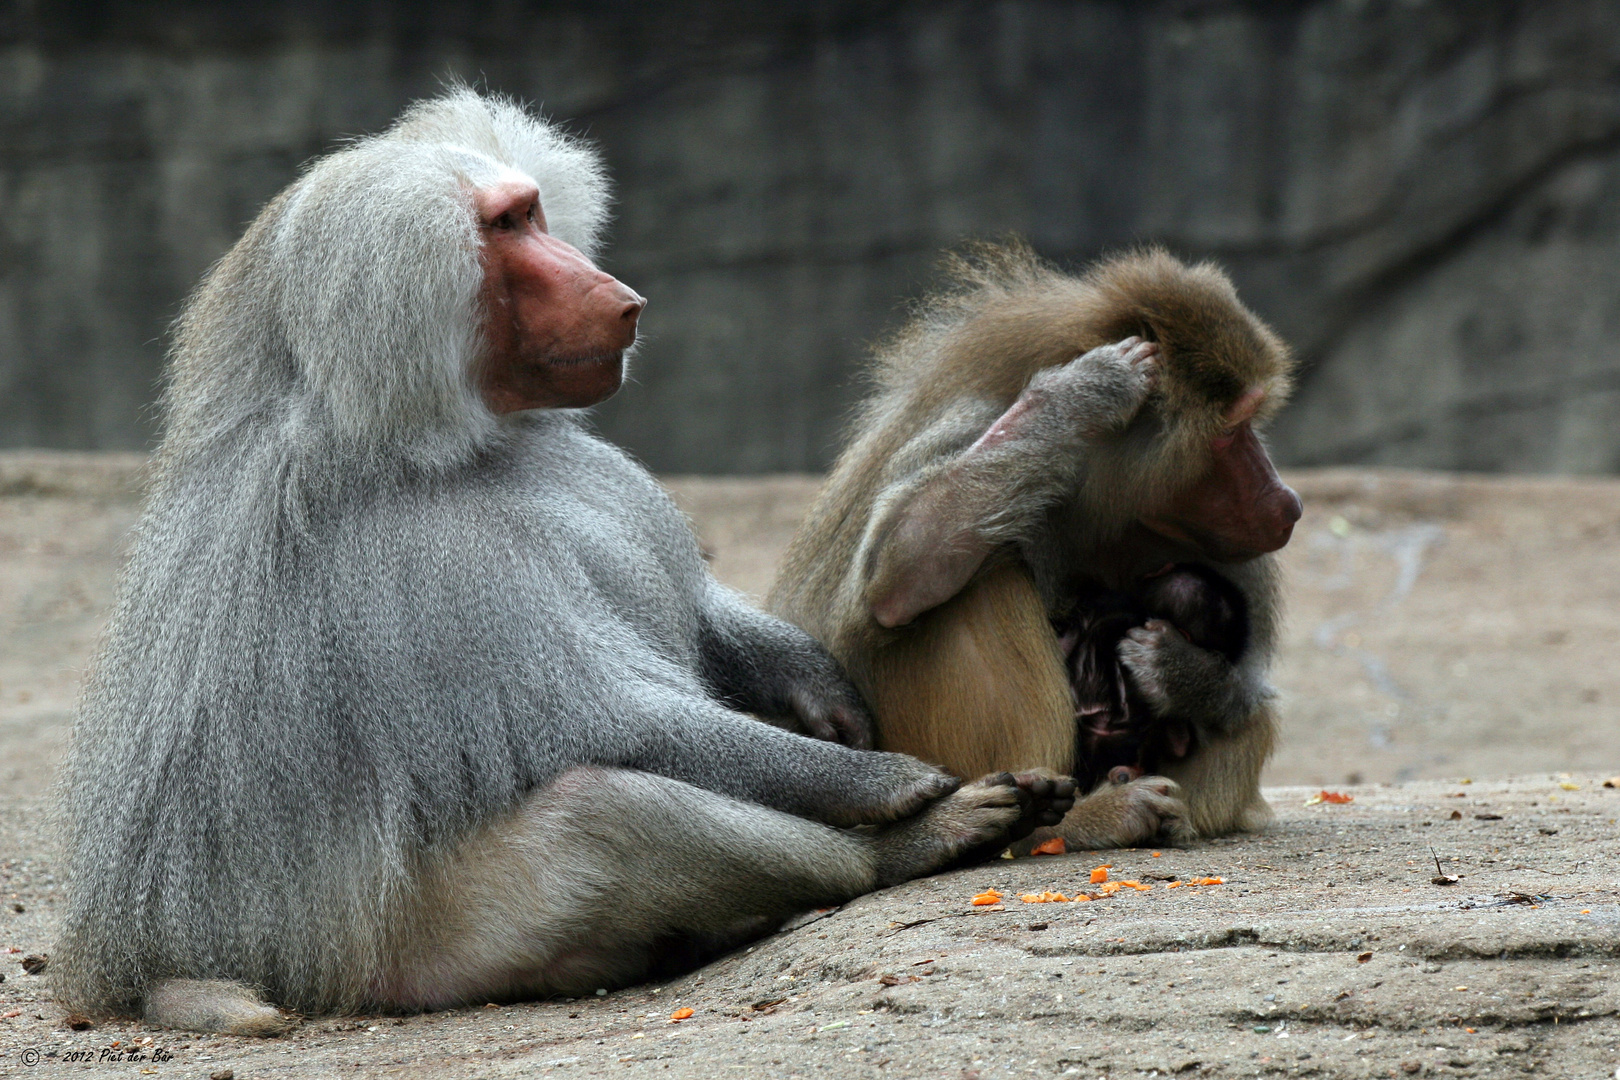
[1114, 725]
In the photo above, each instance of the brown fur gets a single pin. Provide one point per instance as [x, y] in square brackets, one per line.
[986, 656]
[977, 683]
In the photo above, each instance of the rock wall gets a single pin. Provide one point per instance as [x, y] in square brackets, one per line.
[1421, 195]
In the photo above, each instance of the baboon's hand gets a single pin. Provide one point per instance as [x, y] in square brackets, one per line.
[1179, 679]
[831, 709]
[879, 787]
[1100, 392]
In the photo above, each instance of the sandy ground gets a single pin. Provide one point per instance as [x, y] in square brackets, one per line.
[1453, 637]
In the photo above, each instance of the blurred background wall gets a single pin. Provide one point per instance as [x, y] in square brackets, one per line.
[1423, 196]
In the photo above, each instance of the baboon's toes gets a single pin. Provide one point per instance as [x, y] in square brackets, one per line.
[1051, 797]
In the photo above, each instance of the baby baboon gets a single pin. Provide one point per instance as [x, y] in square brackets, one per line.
[1034, 437]
[1117, 734]
[417, 692]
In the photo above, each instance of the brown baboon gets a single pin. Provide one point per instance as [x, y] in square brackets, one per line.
[418, 693]
[1035, 438]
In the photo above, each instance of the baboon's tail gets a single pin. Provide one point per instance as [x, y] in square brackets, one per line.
[213, 1006]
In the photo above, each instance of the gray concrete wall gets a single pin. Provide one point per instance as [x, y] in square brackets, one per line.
[1421, 195]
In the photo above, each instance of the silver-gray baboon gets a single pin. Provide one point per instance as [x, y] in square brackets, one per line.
[1034, 440]
[417, 692]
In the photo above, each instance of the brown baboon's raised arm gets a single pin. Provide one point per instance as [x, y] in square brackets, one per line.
[1036, 440]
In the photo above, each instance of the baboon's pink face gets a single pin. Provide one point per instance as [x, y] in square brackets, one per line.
[1239, 508]
[555, 327]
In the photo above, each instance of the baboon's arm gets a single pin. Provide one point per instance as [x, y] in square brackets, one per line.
[760, 664]
[933, 531]
[687, 737]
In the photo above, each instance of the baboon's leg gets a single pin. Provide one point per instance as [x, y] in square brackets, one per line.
[1221, 782]
[977, 685]
[609, 874]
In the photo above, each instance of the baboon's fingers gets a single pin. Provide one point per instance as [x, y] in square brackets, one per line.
[853, 727]
[1143, 354]
[838, 721]
[819, 727]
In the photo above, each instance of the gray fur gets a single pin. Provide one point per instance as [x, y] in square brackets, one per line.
[368, 628]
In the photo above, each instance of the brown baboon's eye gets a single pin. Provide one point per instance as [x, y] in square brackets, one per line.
[1224, 437]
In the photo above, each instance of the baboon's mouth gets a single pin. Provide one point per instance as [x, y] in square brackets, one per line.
[590, 360]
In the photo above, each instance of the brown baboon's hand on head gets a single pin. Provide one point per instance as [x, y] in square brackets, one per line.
[1178, 678]
[1097, 393]
[933, 543]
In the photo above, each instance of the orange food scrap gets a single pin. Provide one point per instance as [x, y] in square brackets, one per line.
[1156, 854]
[1329, 797]
[680, 1014]
[1137, 885]
[1109, 888]
[1044, 898]
[1100, 875]
[1054, 846]
[989, 896]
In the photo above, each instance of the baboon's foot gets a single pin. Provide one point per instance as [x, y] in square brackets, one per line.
[214, 1007]
[1128, 814]
[976, 823]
